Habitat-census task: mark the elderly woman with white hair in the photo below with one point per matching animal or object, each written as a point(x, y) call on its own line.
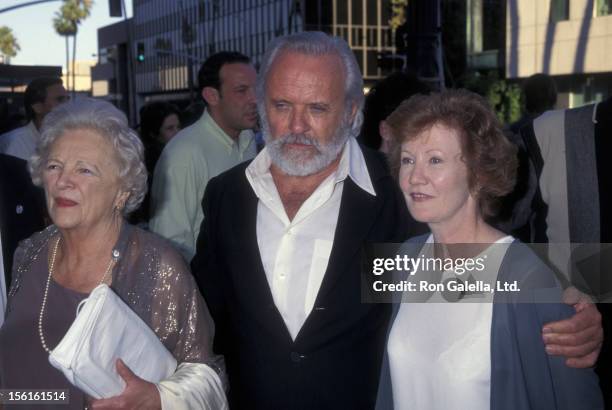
point(90, 164)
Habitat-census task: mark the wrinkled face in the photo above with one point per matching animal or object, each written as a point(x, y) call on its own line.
point(169, 128)
point(305, 125)
point(56, 95)
point(237, 104)
point(81, 181)
point(434, 178)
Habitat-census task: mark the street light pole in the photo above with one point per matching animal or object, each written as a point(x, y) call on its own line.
point(31, 3)
point(132, 109)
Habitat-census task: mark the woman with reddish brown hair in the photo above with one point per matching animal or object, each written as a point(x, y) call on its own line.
point(474, 341)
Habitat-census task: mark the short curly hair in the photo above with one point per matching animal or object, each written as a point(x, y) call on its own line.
point(491, 159)
point(105, 119)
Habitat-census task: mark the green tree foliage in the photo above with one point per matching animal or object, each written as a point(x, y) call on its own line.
point(8, 43)
point(398, 13)
point(63, 26)
point(504, 96)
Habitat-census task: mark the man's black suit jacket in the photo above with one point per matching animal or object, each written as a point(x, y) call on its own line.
point(21, 207)
point(335, 360)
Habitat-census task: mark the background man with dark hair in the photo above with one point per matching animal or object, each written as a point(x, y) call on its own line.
point(381, 100)
point(539, 95)
point(41, 96)
point(219, 140)
point(22, 210)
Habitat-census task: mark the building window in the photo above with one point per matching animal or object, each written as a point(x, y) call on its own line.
point(603, 7)
point(559, 10)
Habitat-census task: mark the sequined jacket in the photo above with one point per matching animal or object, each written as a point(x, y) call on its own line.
point(154, 280)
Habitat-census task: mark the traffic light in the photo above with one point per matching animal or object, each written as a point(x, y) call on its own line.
point(140, 52)
point(114, 8)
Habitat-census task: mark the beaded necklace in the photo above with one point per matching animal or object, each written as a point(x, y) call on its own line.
point(114, 257)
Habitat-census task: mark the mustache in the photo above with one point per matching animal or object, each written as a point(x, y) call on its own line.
point(297, 139)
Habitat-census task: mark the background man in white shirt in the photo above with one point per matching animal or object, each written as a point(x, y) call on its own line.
point(219, 140)
point(41, 96)
point(278, 256)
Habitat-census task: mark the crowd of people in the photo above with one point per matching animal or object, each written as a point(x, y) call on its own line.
point(246, 260)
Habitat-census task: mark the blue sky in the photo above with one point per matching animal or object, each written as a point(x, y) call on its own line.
point(40, 45)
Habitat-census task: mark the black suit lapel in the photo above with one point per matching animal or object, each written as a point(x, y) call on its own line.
point(357, 212)
point(250, 282)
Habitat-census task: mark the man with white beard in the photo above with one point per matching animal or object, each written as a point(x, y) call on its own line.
point(278, 255)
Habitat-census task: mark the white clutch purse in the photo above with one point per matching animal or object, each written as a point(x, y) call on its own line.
point(105, 330)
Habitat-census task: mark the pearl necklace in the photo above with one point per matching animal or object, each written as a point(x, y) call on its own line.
point(113, 260)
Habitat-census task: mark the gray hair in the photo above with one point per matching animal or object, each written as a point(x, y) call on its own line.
point(316, 43)
point(106, 120)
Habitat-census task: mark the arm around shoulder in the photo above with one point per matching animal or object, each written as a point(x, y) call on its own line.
point(523, 375)
point(574, 388)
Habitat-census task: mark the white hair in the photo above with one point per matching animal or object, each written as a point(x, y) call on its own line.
point(106, 120)
point(316, 43)
point(294, 163)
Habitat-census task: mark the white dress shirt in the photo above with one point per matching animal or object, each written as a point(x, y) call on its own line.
point(440, 353)
point(20, 142)
point(295, 253)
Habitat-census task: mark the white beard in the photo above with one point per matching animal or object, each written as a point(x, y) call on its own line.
point(302, 162)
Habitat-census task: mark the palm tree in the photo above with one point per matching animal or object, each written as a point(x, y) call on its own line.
point(8, 44)
point(65, 28)
point(67, 21)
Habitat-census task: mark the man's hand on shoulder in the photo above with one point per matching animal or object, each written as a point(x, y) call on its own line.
point(578, 338)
